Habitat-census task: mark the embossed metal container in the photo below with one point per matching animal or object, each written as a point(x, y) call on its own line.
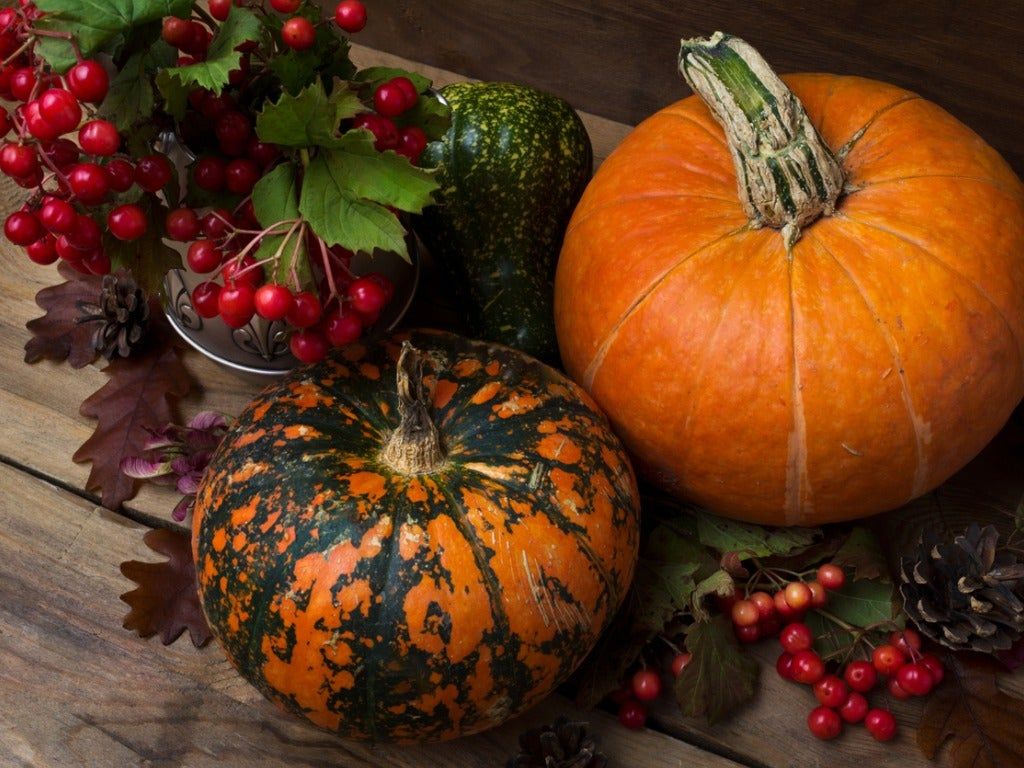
point(261, 347)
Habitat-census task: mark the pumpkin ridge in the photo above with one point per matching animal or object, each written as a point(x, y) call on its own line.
point(590, 374)
point(1016, 343)
point(851, 142)
point(1014, 193)
point(794, 506)
point(823, 109)
point(683, 116)
point(920, 474)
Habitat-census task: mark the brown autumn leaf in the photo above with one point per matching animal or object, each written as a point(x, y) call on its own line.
point(56, 335)
point(980, 722)
point(166, 602)
point(136, 397)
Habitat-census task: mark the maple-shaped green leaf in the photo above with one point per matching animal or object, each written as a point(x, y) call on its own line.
point(720, 677)
point(860, 603)
point(131, 98)
point(749, 540)
point(275, 198)
point(665, 577)
point(326, 60)
point(310, 118)
point(95, 23)
point(241, 26)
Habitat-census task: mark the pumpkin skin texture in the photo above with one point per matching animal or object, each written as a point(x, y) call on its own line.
point(841, 378)
point(395, 607)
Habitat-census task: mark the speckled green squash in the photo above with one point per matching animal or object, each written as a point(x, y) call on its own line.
point(511, 168)
point(390, 592)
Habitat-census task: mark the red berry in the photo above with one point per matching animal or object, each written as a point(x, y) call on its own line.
point(22, 228)
point(89, 183)
point(68, 250)
point(680, 662)
point(819, 598)
point(236, 304)
point(43, 250)
point(306, 310)
point(343, 327)
point(350, 15)
point(896, 691)
point(196, 42)
point(212, 106)
point(831, 576)
point(880, 724)
point(934, 665)
point(783, 608)
point(915, 679)
point(408, 89)
point(285, 6)
point(854, 708)
point(385, 134)
point(769, 627)
point(824, 723)
point(37, 124)
point(796, 637)
point(216, 223)
point(232, 128)
point(908, 641)
point(830, 691)
point(58, 216)
point(368, 297)
point(887, 659)
point(748, 634)
point(99, 137)
point(273, 301)
point(127, 222)
point(153, 172)
point(744, 612)
point(210, 173)
point(632, 714)
point(97, 262)
point(18, 160)
point(244, 270)
point(120, 175)
point(646, 685)
point(88, 81)
point(176, 32)
point(389, 99)
point(411, 143)
point(205, 299)
point(219, 9)
point(203, 256)
point(798, 595)
point(5, 122)
point(182, 224)
point(308, 346)
point(87, 234)
point(808, 668)
point(241, 176)
point(60, 109)
point(377, 277)
point(260, 152)
point(298, 33)
point(860, 676)
point(765, 605)
point(784, 665)
point(23, 82)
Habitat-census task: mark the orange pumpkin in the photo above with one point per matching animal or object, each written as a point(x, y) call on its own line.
point(829, 337)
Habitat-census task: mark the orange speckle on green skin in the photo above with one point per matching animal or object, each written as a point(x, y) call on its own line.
point(443, 392)
point(249, 438)
point(287, 538)
point(415, 491)
point(238, 542)
point(220, 540)
point(559, 448)
point(245, 514)
point(466, 368)
point(370, 371)
point(297, 431)
point(493, 368)
point(486, 392)
point(369, 484)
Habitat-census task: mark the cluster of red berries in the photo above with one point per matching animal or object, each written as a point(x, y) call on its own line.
point(645, 686)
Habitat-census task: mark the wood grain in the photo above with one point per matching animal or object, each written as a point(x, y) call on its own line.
point(76, 689)
point(618, 59)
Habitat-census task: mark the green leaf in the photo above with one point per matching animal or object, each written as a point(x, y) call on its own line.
point(130, 98)
point(148, 258)
point(665, 578)
point(276, 198)
point(174, 92)
point(241, 26)
point(860, 603)
point(725, 535)
point(95, 23)
point(718, 583)
point(720, 678)
point(309, 119)
point(862, 555)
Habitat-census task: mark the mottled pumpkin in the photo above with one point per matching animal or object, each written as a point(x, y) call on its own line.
point(798, 300)
point(415, 551)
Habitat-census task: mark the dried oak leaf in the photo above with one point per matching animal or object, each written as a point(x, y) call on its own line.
point(166, 602)
point(56, 335)
point(980, 722)
point(136, 397)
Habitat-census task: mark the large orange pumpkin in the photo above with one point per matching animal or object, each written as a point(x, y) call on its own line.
point(830, 338)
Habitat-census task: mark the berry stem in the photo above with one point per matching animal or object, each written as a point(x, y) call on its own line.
point(327, 269)
point(65, 36)
point(24, 46)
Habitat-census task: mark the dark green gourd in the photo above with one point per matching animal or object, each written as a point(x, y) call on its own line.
point(511, 169)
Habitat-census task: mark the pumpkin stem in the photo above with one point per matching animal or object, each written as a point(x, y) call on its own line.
point(787, 175)
point(415, 447)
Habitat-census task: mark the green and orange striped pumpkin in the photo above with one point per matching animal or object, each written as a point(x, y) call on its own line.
point(415, 564)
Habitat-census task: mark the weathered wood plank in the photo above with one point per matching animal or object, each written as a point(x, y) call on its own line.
point(76, 689)
point(618, 59)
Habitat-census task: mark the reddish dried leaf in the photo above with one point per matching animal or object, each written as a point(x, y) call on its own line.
point(980, 722)
point(136, 397)
point(166, 602)
point(56, 335)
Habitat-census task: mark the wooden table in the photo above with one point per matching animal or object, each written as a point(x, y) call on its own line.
point(76, 689)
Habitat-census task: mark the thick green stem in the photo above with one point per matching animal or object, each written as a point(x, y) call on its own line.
point(787, 175)
point(415, 447)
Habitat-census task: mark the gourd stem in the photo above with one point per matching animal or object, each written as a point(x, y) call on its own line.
point(415, 447)
point(787, 175)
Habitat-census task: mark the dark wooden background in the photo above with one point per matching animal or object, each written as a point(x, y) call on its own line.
point(616, 58)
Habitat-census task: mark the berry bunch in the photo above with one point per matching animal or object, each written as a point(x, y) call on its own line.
point(645, 686)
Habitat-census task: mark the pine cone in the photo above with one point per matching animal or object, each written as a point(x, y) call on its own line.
point(966, 594)
point(121, 315)
point(562, 745)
